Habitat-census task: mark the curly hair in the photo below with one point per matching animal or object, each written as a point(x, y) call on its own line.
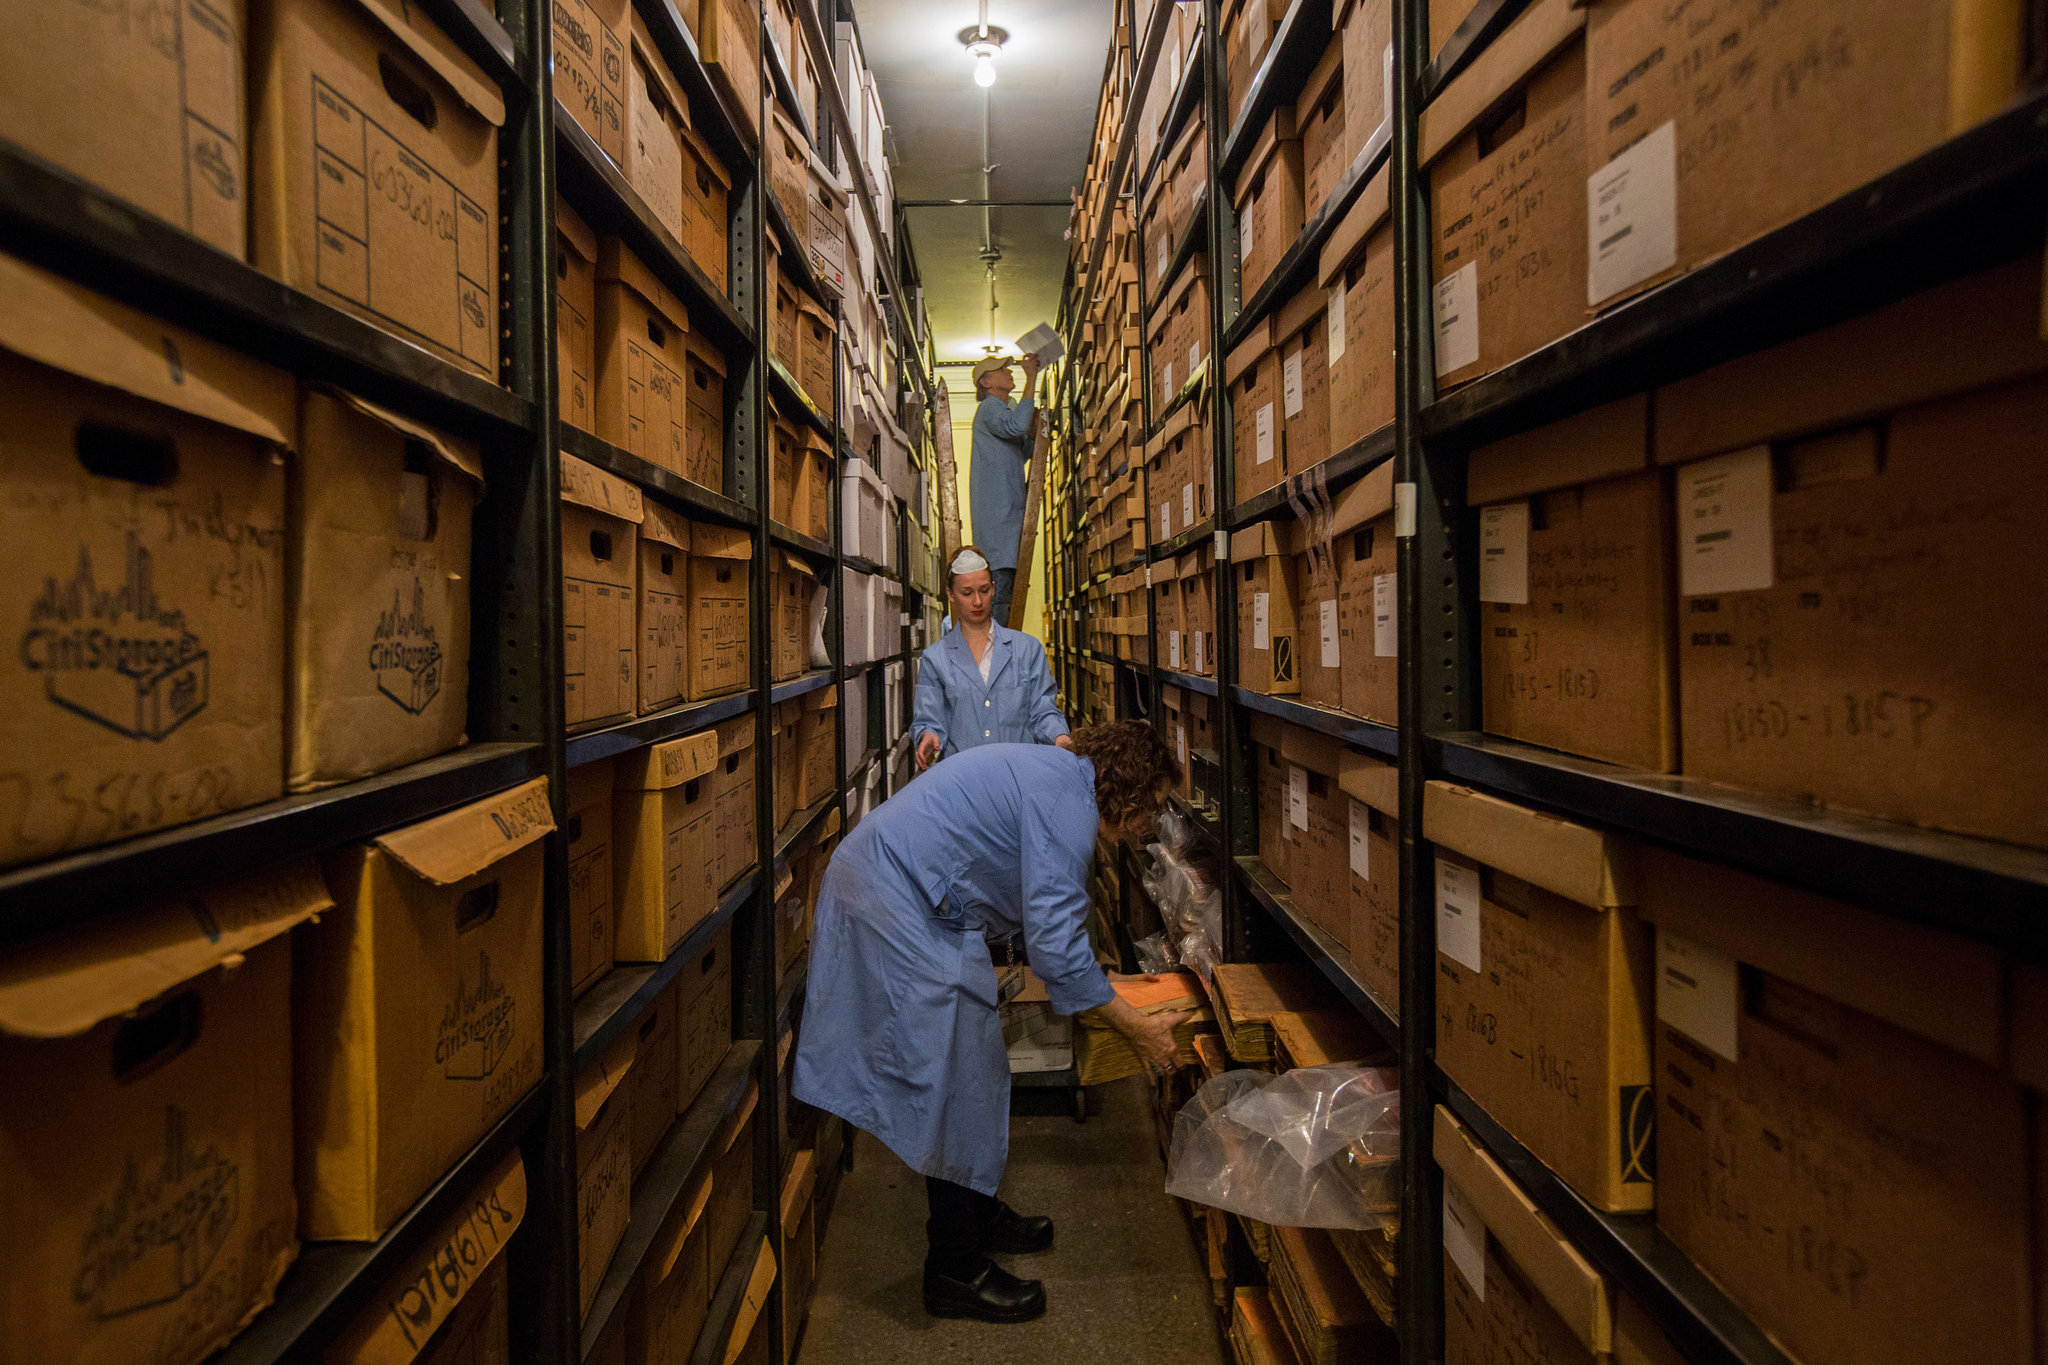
point(1133, 769)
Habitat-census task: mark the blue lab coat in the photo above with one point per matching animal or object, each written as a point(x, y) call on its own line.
point(900, 1035)
point(1017, 705)
point(995, 482)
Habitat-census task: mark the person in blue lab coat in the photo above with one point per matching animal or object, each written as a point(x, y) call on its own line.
point(995, 480)
point(982, 683)
point(900, 1035)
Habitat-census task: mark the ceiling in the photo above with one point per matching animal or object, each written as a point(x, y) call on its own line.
point(1041, 115)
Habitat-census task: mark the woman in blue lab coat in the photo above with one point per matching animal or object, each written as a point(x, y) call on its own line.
point(982, 683)
point(900, 1035)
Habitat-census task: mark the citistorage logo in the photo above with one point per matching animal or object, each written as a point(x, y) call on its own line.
point(152, 1240)
point(114, 653)
point(476, 1026)
point(405, 652)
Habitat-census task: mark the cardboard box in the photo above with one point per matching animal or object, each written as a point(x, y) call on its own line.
point(1509, 260)
point(732, 791)
point(1576, 588)
point(1808, 1053)
point(817, 357)
point(1167, 628)
point(783, 745)
point(1248, 27)
point(673, 1295)
point(1187, 435)
point(575, 314)
point(793, 586)
point(799, 1243)
point(374, 171)
point(1162, 480)
point(817, 746)
point(704, 414)
point(592, 39)
point(1372, 843)
point(1841, 648)
point(1323, 1312)
point(604, 1163)
point(654, 1077)
point(165, 130)
point(1513, 1284)
point(1690, 158)
point(149, 1086)
point(642, 361)
point(814, 486)
point(416, 1009)
point(1256, 425)
point(732, 1183)
point(664, 815)
point(703, 1018)
point(1319, 119)
point(1318, 831)
point(663, 607)
point(1368, 596)
point(1179, 330)
point(1368, 29)
point(1301, 333)
point(111, 453)
point(728, 34)
point(827, 227)
point(1357, 268)
point(447, 1303)
point(785, 458)
point(1543, 987)
point(707, 211)
point(789, 165)
point(1186, 170)
point(1173, 710)
point(1445, 17)
point(1266, 635)
point(720, 624)
point(589, 836)
point(1270, 778)
point(1269, 201)
point(378, 590)
point(1196, 572)
point(601, 517)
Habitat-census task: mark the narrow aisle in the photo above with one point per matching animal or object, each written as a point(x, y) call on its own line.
point(1123, 1282)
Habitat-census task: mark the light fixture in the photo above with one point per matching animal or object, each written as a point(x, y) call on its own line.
point(983, 42)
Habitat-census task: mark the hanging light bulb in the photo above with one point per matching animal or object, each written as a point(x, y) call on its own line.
point(983, 42)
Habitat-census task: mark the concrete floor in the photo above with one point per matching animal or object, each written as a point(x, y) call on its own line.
point(1124, 1281)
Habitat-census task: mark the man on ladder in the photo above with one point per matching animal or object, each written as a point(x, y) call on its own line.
point(1002, 455)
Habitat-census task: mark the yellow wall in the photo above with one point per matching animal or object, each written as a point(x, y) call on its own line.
point(960, 388)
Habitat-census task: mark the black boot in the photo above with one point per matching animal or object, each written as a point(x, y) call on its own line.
point(993, 1294)
point(1009, 1233)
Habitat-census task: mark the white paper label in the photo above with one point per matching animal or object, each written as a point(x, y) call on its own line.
point(1697, 991)
point(1194, 356)
point(1457, 320)
point(1262, 607)
point(1166, 521)
point(1187, 506)
point(1724, 523)
point(1632, 216)
point(1290, 384)
point(1165, 255)
point(1297, 796)
point(1457, 912)
point(1169, 382)
point(1504, 553)
point(1328, 609)
point(1265, 443)
point(1335, 311)
point(1404, 510)
point(1173, 648)
point(1387, 85)
point(1386, 622)
point(1247, 230)
point(1181, 741)
point(1465, 1238)
point(1201, 651)
point(1361, 840)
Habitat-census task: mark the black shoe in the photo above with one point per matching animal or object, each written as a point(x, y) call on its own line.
point(1010, 1233)
point(992, 1295)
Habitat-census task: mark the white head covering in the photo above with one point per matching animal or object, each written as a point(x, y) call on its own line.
point(967, 561)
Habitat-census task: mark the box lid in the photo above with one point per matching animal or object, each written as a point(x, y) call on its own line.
point(663, 523)
point(616, 262)
point(1373, 207)
point(1260, 540)
point(1526, 44)
point(709, 540)
point(571, 228)
point(460, 455)
point(61, 986)
point(429, 42)
point(1365, 500)
point(1303, 309)
point(649, 56)
point(1372, 781)
point(1549, 1262)
point(1280, 127)
point(1598, 443)
point(735, 736)
point(1577, 862)
point(1313, 750)
point(700, 348)
point(56, 323)
point(1248, 352)
point(597, 1079)
point(464, 841)
point(586, 485)
point(675, 1233)
point(796, 564)
point(1328, 68)
point(797, 1188)
point(806, 304)
point(669, 763)
point(1192, 563)
point(820, 699)
point(698, 147)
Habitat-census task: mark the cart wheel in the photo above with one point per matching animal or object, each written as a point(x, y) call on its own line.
point(1080, 1105)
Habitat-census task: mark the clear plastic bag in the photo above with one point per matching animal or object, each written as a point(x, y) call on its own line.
point(1155, 953)
point(1314, 1148)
